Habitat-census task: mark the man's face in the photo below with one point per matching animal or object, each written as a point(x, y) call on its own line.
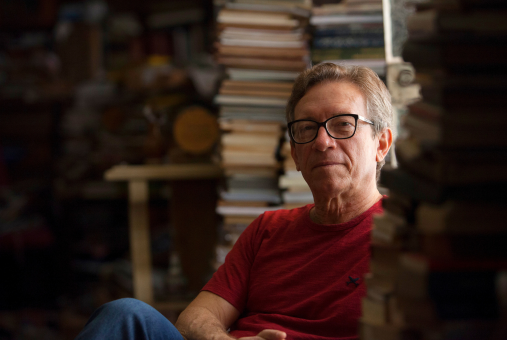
point(335, 166)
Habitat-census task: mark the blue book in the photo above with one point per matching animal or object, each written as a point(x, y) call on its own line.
point(347, 42)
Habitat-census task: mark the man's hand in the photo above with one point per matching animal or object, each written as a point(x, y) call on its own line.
point(267, 334)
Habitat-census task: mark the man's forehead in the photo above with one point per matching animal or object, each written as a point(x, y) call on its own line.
point(331, 98)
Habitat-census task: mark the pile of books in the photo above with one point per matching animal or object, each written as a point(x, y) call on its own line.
point(350, 32)
point(296, 192)
point(439, 260)
point(263, 46)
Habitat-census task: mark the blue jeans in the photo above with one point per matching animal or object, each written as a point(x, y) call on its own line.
point(128, 319)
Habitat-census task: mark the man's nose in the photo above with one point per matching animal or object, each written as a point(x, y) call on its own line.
point(323, 140)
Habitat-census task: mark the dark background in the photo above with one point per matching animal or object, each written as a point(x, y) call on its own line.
point(75, 77)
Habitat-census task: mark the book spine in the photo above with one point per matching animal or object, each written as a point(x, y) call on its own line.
point(348, 31)
point(348, 42)
point(348, 53)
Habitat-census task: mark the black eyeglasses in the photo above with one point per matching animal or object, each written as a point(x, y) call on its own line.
point(338, 127)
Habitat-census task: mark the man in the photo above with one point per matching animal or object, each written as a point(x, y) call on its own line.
point(294, 274)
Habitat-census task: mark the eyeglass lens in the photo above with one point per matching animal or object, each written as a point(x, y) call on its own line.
point(338, 127)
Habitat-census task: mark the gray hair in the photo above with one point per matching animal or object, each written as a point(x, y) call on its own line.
point(378, 98)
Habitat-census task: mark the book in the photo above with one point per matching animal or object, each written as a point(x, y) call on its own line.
point(267, 75)
point(286, 182)
point(374, 312)
point(370, 331)
point(254, 18)
point(380, 287)
point(263, 42)
point(468, 218)
point(483, 246)
point(242, 125)
point(348, 42)
point(454, 133)
point(250, 158)
point(418, 188)
point(249, 100)
point(231, 211)
point(348, 53)
point(262, 63)
point(462, 4)
point(255, 92)
point(462, 91)
point(304, 197)
point(347, 8)
point(270, 6)
point(250, 139)
point(271, 52)
point(345, 19)
point(464, 55)
point(433, 21)
point(452, 167)
point(389, 229)
point(268, 85)
point(348, 30)
point(384, 260)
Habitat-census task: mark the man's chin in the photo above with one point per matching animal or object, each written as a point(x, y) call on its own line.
point(328, 187)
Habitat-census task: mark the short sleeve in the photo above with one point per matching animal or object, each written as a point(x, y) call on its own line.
point(231, 280)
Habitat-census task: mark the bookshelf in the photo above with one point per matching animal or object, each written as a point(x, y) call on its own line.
point(438, 251)
point(263, 46)
point(193, 184)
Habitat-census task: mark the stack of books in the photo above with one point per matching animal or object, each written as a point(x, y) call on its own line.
point(296, 192)
point(349, 32)
point(263, 46)
point(439, 260)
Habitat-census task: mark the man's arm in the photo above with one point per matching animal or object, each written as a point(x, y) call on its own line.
point(207, 317)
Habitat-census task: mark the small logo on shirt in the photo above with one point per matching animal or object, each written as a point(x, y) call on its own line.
point(353, 280)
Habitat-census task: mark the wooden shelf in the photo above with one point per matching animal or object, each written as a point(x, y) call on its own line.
point(164, 171)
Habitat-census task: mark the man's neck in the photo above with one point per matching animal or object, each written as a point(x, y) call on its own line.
point(342, 208)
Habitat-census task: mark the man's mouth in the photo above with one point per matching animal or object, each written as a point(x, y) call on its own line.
point(325, 164)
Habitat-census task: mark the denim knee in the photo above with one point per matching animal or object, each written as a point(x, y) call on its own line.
point(128, 319)
point(128, 307)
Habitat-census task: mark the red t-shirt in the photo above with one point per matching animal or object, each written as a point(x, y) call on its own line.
point(288, 273)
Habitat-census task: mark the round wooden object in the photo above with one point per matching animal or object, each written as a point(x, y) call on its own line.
point(196, 130)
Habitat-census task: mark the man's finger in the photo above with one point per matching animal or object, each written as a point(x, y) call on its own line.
point(267, 334)
point(272, 334)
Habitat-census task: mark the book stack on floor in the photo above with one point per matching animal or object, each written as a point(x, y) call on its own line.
point(439, 260)
point(263, 46)
point(296, 192)
point(350, 32)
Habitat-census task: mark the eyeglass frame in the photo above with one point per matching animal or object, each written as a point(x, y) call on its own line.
point(324, 124)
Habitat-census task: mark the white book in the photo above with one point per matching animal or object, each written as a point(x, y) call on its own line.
point(255, 31)
point(286, 182)
point(250, 18)
point(271, 196)
point(297, 197)
point(222, 99)
point(244, 211)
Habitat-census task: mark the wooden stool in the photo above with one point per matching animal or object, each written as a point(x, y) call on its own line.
point(193, 216)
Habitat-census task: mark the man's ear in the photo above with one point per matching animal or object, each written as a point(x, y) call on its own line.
point(385, 140)
point(294, 155)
